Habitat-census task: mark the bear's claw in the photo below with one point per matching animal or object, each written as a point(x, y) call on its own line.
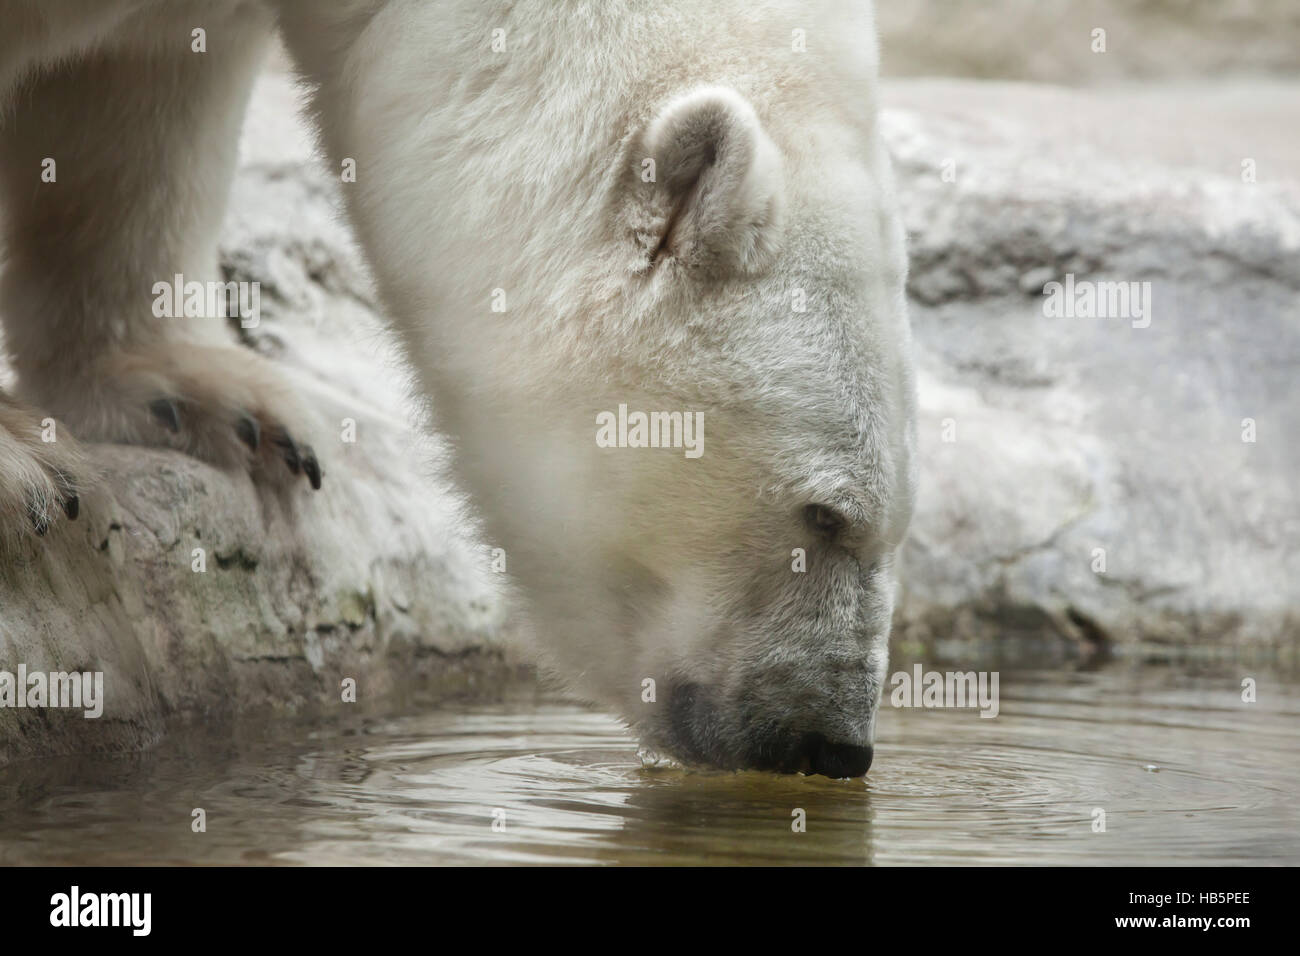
point(300, 459)
point(164, 409)
point(249, 432)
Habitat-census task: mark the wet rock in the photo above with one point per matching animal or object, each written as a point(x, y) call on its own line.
point(1054, 447)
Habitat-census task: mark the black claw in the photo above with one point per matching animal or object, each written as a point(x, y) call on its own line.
point(311, 466)
point(68, 488)
point(164, 409)
point(289, 451)
point(249, 432)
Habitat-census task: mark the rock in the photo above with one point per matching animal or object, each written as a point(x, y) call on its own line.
point(1055, 41)
point(1075, 441)
point(374, 578)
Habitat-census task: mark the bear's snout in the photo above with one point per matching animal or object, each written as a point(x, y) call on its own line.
point(837, 760)
point(700, 733)
point(810, 753)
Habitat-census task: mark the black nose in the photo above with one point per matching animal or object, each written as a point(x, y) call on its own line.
point(836, 760)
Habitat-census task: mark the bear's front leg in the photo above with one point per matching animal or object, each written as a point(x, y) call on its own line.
point(114, 172)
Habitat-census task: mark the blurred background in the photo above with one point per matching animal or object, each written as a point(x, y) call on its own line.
point(1049, 41)
point(1088, 484)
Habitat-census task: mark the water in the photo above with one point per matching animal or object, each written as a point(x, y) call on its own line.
point(1184, 770)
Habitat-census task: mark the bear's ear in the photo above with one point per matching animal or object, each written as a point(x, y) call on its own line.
point(716, 188)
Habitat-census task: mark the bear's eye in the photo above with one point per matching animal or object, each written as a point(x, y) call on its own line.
point(824, 520)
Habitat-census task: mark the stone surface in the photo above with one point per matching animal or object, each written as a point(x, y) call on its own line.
point(1073, 434)
point(1053, 40)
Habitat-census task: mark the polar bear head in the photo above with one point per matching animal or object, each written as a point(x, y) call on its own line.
point(702, 504)
point(687, 416)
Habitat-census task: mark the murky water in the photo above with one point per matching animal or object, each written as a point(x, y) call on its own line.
point(1184, 770)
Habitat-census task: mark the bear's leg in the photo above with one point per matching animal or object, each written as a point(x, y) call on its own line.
point(114, 173)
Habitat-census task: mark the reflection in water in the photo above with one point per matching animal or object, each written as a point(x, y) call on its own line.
point(1184, 771)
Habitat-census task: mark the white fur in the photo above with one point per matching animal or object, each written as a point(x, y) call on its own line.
point(522, 170)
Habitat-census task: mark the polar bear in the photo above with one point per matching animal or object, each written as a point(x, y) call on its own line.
point(668, 211)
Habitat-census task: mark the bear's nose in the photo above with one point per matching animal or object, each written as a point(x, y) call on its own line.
point(836, 760)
